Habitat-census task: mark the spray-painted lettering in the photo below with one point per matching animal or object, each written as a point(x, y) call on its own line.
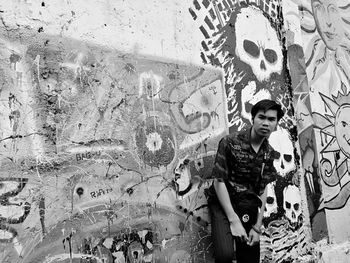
point(99, 192)
point(87, 155)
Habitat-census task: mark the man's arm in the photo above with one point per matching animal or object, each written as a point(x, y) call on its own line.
point(254, 233)
point(263, 198)
point(224, 198)
point(220, 173)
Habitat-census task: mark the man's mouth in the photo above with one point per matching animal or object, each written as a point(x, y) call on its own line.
point(264, 130)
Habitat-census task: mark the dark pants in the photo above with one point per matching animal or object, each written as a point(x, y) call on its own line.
point(223, 241)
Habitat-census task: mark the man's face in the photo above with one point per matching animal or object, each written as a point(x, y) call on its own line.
point(265, 122)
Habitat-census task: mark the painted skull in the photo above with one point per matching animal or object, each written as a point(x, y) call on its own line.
point(271, 201)
point(292, 204)
point(258, 45)
point(281, 142)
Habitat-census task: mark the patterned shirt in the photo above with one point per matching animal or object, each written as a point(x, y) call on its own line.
point(237, 162)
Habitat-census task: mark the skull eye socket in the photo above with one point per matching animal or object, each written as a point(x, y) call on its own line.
point(296, 207)
point(288, 205)
point(287, 157)
point(248, 106)
point(251, 48)
point(270, 55)
point(270, 200)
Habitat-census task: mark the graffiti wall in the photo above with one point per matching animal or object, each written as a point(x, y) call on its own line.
point(105, 154)
point(245, 39)
point(325, 31)
point(128, 142)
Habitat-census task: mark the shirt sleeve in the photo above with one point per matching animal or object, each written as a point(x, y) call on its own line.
point(220, 169)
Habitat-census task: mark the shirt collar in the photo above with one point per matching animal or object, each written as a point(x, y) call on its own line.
point(245, 135)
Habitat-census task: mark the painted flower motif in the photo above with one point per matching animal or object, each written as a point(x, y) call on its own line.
point(154, 141)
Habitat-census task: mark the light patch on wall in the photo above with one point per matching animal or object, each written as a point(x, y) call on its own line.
point(150, 85)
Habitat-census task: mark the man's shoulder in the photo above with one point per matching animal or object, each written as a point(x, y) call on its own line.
point(273, 153)
point(229, 138)
point(236, 139)
point(242, 135)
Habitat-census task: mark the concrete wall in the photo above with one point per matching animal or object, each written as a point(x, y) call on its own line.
point(111, 112)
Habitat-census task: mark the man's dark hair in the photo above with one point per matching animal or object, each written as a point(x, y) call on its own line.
point(266, 105)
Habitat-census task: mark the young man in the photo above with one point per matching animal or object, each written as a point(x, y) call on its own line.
point(243, 163)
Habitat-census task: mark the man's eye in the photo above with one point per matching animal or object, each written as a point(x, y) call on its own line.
point(344, 123)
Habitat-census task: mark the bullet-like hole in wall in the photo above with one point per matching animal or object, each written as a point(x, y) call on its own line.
point(80, 191)
point(42, 3)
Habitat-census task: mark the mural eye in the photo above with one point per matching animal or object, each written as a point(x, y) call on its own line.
point(296, 207)
point(251, 48)
point(270, 200)
point(344, 123)
point(319, 7)
point(287, 157)
point(248, 106)
point(288, 205)
point(270, 55)
point(333, 9)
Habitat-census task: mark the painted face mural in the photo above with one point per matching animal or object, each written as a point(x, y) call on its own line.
point(328, 22)
point(335, 139)
point(342, 128)
point(326, 52)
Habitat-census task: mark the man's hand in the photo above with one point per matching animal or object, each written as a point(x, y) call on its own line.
point(238, 230)
point(253, 238)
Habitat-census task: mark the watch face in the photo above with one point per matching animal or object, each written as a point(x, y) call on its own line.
point(245, 218)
